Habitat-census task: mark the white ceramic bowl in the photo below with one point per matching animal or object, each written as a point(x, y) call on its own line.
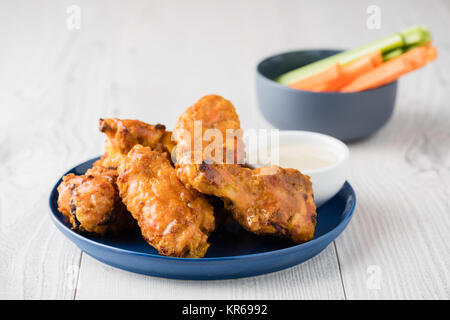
point(328, 180)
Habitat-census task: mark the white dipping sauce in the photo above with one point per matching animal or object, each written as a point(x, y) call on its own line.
point(305, 156)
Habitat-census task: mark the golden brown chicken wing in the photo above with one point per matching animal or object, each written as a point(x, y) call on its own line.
point(91, 202)
point(209, 131)
point(277, 201)
point(280, 203)
point(173, 219)
point(122, 135)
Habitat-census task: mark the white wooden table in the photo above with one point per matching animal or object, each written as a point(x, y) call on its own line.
point(151, 59)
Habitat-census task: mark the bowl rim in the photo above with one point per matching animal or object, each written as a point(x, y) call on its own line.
point(348, 211)
point(289, 89)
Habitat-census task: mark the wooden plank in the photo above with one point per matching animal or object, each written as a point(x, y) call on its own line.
point(47, 126)
point(317, 278)
point(36, 260)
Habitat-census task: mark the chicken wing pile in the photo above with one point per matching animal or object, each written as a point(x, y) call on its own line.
point(168, 182)
point(280, 203)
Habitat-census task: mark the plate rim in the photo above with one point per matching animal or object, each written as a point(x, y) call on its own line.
point(348, 210)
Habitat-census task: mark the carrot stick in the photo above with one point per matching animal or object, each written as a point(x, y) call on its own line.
point(385, 73)
point(327, 75)
point(392, 69)
point(335, 77)
point(355, 69)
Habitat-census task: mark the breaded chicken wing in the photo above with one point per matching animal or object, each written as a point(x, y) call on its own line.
point(173, 219)
point(91, 202)
point(211, 118)
point(122, 135)
point(280, 203)
point(277, 201)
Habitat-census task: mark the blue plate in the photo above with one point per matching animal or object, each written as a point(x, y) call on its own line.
point(234, 252)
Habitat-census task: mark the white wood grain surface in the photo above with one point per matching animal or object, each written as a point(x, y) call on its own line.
point(151, 59)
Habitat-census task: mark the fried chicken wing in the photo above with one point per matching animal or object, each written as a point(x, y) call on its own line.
point(122, 135)
point(277, 201)
point(91, 202)
point(280, 203)
point(173, 219)
point(213, 117)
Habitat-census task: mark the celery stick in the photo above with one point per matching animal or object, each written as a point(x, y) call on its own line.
point(412, 35)
point(412, 38)
point(393, 54)
point(415, 36)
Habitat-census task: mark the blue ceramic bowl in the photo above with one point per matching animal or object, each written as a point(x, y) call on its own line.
point(234, 252)
point(346, 116)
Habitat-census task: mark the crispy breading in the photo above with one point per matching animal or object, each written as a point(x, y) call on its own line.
point(211, 114)
point(173, 219)
point(91, 202)
point(124, 134)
